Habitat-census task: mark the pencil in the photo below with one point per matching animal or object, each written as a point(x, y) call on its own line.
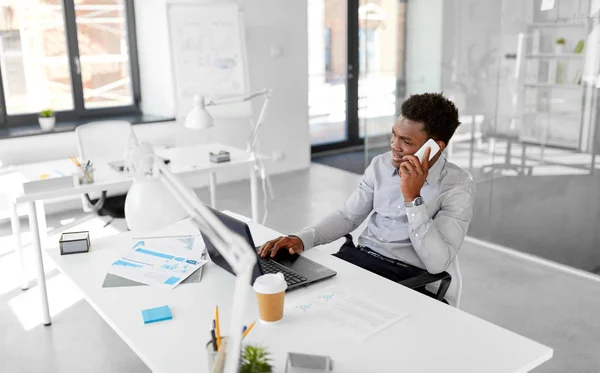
point(75, 161)
point(218, 329)
point(248, 330)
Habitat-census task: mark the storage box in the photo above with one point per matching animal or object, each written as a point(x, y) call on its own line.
point(74, 243)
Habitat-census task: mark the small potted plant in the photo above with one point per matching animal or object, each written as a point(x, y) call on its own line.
point(560, 45)
point(47, 120)
point(255, 360)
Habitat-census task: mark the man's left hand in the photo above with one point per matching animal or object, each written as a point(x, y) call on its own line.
point(413, 175)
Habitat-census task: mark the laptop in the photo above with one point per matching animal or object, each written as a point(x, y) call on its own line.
point(297, 270)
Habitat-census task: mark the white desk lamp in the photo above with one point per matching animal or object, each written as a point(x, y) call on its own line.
point(200, 118)
point(177, 201)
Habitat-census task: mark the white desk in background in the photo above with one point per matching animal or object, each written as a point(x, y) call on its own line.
point(433, 337)
point(185, 161)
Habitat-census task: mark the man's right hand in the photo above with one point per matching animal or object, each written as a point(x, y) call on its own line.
point(291, 243)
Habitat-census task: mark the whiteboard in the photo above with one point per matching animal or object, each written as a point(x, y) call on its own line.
point(208, 55)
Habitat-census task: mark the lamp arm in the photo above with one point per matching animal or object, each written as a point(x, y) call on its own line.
point(235, 250)
point(260, 120)
point(231, 99)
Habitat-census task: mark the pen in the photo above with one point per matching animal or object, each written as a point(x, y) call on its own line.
point(248, 330)
point(213, 338)
point(218, 327)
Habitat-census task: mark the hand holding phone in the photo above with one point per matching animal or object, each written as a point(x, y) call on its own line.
point(435, 148)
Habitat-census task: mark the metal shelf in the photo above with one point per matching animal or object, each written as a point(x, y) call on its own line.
point(557, 56)
point(553, 85)
point(556, 24)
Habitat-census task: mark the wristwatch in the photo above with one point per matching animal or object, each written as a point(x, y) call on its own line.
point(417, 202)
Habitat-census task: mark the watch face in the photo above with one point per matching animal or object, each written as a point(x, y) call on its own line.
point(419, 201)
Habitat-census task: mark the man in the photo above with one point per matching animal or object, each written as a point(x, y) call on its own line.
point(421, 211)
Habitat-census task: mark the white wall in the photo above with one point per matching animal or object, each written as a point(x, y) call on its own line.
point(424, 46)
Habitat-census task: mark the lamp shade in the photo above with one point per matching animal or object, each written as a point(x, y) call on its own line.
point(198, 118)
point(149, 205)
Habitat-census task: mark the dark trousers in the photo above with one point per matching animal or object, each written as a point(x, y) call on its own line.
point(392, 271)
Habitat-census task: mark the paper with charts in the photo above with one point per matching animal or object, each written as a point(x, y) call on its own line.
point(160, 260)
point(354, 315)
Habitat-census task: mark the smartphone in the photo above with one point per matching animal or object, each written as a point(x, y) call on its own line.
point(435, 148)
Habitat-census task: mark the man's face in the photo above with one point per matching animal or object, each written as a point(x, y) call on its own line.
point(407, 137)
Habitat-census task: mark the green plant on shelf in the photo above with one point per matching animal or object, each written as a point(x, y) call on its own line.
point(47, 113)
point(561, 41)
point(255, 360)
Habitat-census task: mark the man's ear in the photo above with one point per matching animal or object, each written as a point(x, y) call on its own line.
point(442, 145)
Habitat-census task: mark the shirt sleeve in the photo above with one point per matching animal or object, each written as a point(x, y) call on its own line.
point(437, 240)
point(356, 209)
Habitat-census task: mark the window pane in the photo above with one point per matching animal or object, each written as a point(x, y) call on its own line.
point(381, 51)
point(327, 79)
point(33, 56)
point(105, 68)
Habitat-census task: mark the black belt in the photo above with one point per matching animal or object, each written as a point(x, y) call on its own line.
point(375, 254)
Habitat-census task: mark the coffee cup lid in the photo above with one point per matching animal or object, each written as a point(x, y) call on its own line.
point(270, 283)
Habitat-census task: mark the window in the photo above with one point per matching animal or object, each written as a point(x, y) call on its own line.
point(76, 57)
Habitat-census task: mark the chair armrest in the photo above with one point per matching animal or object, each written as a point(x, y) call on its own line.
point(427, 278)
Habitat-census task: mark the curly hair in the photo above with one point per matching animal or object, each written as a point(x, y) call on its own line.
point(438, 114)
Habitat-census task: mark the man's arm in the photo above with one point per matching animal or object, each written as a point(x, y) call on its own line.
point(356, 209)
point(437, 240)
point(349, 217)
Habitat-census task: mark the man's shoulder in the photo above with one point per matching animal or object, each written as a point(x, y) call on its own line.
point(383, 160)
point(455, 176)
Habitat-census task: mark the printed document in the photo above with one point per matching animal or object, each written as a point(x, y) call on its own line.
point(336, 311)
point(160, 260)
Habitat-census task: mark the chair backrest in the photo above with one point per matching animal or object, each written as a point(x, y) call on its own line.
point(455, 290)
point(107, 140)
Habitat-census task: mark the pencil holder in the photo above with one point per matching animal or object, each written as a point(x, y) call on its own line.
point(86, 177)
point(216, 363)
point(212, 354)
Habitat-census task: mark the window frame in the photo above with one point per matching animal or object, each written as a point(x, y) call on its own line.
point(79, 112)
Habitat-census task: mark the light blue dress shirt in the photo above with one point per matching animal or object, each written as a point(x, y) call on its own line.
point(427, 236)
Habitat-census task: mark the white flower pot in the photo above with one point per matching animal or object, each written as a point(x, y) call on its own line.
point(47, 124)
point(559, 48)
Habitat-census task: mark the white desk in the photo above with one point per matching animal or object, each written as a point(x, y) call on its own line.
point(433, 338)
point(184, 161)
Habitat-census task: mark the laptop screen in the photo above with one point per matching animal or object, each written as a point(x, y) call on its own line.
point(238, 227)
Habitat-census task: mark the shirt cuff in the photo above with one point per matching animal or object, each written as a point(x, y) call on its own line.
point(417, 215)
point(307, 236)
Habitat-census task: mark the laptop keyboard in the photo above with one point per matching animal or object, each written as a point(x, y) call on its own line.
point(292, 278)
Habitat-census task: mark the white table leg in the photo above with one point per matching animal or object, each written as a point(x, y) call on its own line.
point(16, 230)
point(37, 252)
point(254, 194)
point(213, 189)
point(41, 215)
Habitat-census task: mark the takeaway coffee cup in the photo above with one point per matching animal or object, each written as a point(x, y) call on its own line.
point(270, 291)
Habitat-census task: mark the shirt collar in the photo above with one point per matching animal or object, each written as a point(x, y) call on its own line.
point(435, 171)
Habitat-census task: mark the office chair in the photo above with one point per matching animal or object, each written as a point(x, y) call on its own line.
point(445, 287)
point(441, 286)
point(109, 141)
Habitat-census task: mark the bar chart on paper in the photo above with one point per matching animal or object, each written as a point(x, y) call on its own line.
point(160, 260)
